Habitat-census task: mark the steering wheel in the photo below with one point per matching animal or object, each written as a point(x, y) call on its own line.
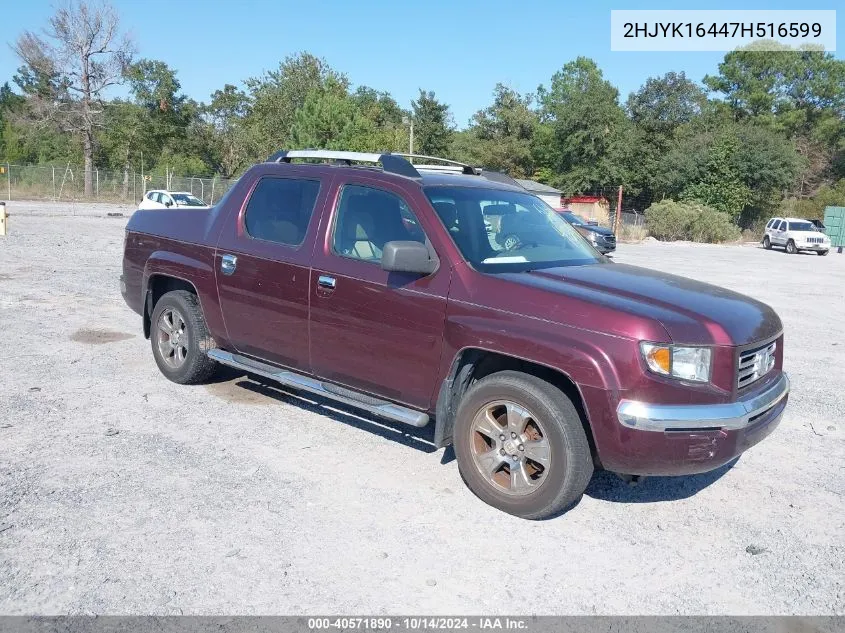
point(512, 243)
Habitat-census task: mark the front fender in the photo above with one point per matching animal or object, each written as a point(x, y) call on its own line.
point(582, 355)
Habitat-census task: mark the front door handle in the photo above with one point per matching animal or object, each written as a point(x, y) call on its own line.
point(228, 264)
point(324, 281)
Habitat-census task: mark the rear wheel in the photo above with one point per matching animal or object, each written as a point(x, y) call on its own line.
point(180, 338)
point(520, 445)
point(767, 244)
point(790, 247)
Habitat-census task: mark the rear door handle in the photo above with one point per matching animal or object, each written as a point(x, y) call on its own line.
point(324, 281)
point(228, 264)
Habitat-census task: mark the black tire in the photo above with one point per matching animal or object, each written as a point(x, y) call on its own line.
point(821, 253)
point(570, 464)
point(196, 366)
point(767, 244)
point(790, 248)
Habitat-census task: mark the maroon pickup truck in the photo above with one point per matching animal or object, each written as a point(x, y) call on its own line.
point(446, 293)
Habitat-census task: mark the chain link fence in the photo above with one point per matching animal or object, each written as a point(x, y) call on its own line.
point(40, 182)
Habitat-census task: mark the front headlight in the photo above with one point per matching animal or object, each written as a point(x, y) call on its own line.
point(686, 363)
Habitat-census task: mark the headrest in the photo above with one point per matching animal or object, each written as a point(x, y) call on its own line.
point(448, 212)
point(358, 221)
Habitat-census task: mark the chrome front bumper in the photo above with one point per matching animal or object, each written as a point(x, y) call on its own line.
point(731, 416)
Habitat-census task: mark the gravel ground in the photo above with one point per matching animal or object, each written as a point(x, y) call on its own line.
point(121, 492)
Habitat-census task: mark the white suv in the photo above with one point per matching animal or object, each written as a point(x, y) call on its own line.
point(795, 234)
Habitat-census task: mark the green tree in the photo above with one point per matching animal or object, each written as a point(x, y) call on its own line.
point(500, 136)
point(664, 103)
point(332, 119)
point(227, 144)
point(156, 89)
point(802, 93)
point(589, 136)
point(806, 84)
point(754, 163)
point(277, 95)
point(721, 186)
point(122, 138)
point(9, 104)
point(433, 128)
point(378, 107)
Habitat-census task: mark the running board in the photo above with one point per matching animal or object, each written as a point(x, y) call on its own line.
point(382, 408)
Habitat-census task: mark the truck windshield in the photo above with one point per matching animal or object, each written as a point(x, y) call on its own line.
point(500, 230)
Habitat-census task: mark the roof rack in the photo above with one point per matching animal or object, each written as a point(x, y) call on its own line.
point(391, 163)
point(469, 170)
point(394, 163)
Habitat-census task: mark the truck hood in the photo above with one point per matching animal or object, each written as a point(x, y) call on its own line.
point(691, 311)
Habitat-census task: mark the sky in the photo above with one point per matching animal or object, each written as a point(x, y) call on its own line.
point(458, 49)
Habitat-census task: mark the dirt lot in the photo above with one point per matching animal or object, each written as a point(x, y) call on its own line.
point(121, 492)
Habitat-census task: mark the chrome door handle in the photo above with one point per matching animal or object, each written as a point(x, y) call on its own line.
point(228, 264)
point(324, 281)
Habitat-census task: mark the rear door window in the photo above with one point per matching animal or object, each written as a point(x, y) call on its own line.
point(280, 209)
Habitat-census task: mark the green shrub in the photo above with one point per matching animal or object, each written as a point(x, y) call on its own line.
point(669, 220)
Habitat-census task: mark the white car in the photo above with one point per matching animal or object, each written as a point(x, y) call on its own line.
point(160, 199)
point(794, 235)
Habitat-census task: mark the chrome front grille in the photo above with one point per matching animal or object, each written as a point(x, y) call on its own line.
point(755, 363)
point(815, 240)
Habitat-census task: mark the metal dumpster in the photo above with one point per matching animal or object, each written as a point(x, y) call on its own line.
point(834, 222)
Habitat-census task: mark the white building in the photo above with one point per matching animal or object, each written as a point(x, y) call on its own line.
point(549, 195)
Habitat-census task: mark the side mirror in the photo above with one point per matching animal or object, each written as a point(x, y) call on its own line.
point(407, 257)
point(168, 204)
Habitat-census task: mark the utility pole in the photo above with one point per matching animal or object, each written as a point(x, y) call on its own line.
point(618, 213)
point(410, 122)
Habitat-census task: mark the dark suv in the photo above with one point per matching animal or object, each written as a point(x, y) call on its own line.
point(394, 288)
point(602, 238)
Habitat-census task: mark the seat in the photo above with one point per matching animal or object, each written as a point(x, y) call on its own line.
point(274, 217)
point(389, 224)
point(357, 230)
point(448, 212)
point(510, 222)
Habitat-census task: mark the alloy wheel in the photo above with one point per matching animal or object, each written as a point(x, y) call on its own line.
point(172, 338)
point(510, 448)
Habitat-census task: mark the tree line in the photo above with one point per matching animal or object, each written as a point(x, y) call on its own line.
point(765, 133)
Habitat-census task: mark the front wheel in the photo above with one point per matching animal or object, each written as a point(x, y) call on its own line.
point(790, 247)
point(821, 253)
point(767, 244)
point(521, 446)
point(180, 339)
